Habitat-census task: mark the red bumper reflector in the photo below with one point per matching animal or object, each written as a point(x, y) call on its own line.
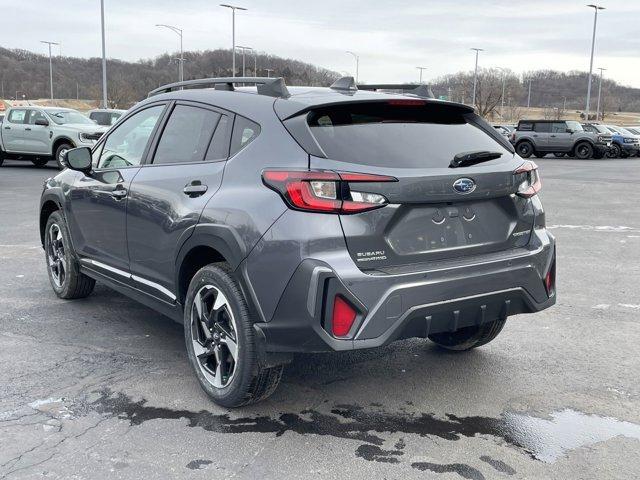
point(550, 279)
point(343, 317)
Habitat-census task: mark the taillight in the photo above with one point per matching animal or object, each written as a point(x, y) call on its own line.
point(343, 317)
point(325, 191)
point(530, 184)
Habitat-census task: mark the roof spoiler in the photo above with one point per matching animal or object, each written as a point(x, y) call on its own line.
point(272, 87)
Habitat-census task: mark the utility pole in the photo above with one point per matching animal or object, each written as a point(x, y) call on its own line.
point(599, 93)
point(269, 70)
point(105, 103)
point(529, 97)
point(177, 31)
point(475, 76)
point(77, 91)
point(357, 63)
point(421, 69)
point(593, 44)
point(50, 66)
point(233, 34)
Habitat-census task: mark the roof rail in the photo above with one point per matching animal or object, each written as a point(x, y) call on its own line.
point(411, 89)
point(273, 87)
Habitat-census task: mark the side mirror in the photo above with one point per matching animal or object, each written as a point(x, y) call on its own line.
point(570, 130)
point(78, 159)
point(43, 122)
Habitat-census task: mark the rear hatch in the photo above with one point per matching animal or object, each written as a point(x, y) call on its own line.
point(434, 212)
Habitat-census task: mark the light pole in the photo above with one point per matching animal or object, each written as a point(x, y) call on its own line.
point(104, 59)
point(593, 44)
point(357, 63)
point(50, 66)
point(599, 93)
point(529, 96)
point(233, 34)
point(475, 75)
point(244, 49)
point(177, 31)
point(421, 69)
point(504, 78)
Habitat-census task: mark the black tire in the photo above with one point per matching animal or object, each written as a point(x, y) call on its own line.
point(242, 380)
point(467, 338)
point(525, 149)
point(598, 155)
point(558, 154)
point(59, 151)
point(40, 162)
point(615, 151)
point(72, 284)
point(583, 151)
point(1, 157)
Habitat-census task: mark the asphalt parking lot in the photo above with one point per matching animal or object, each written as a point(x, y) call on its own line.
point(101, 387)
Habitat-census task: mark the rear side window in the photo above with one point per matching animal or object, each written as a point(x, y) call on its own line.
point(385, 134)
point(543, 127)
point(187, 135)
point(525, 126)
point(244, 132)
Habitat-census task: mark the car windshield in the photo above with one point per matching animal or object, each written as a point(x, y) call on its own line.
point(624, 131)
point(613, 129)
point(63, 117)
point(635, 131)
point(600, 129)
point(575, 126)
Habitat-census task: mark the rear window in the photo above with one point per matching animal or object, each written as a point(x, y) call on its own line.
point(404, 136)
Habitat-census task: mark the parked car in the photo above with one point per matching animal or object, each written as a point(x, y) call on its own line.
point(300, 219)
point(539, 137)
point(105, 116)
point(40, 134)
point(503, 130)
point(624, 144)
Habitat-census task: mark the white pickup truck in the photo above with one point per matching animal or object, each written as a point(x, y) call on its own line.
point(40, 134)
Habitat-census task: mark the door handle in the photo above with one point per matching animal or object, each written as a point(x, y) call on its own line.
point(7, 128)
point(27, 129)
point(119, 193)
point(535, 135)
point(553, 136)
point(195, 189)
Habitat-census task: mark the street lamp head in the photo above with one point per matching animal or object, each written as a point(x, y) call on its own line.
point(597, 7)
point(226, 5)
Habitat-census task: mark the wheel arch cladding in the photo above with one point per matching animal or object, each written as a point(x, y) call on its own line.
point(59, 141)
point(48, 207)
point(208, 244)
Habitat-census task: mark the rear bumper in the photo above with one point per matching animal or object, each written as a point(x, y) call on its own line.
point(438, 298)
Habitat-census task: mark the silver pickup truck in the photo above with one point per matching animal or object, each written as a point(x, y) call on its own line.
point(41, 134)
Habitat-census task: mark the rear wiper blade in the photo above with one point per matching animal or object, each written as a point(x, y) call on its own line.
point(465, 159)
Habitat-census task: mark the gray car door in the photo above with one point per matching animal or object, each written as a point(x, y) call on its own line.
point(169, 193)
point(98, 200)
point(559, 139)
point(37, 137)
point(13, 130)
point(541, 133)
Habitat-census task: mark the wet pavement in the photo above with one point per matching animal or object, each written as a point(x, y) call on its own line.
point(100, 388)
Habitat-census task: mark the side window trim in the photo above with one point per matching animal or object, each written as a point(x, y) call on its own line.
point(104, 138)
point(148, 161)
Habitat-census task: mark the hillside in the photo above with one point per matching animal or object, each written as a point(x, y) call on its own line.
point(27, 73)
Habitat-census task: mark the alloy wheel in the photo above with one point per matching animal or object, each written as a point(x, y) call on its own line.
point(214, 336)
point(56, 255)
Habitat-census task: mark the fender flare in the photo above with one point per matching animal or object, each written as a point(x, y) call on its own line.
point(57, 139)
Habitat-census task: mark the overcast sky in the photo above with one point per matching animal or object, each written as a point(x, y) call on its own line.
point(391, 37)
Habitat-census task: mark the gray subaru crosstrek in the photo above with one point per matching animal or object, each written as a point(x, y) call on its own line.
point(274, 220)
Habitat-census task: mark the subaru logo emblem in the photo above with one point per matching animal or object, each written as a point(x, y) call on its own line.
point(464, 185)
